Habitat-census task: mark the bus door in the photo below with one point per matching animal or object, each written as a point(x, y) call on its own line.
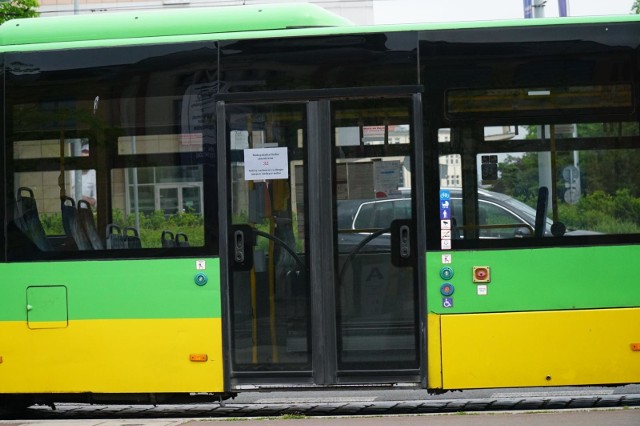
point(321, 235)
point(375, 238)
point(268, 267)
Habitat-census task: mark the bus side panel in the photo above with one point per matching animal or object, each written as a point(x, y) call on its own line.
point(434, 352)
point(552, 348)
point(120, 326)
point(540, 279)
point(113, 356)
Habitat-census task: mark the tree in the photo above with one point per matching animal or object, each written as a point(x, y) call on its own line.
point(636, 7)
point(14, 9)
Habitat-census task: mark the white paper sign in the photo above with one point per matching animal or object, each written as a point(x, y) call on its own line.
point(266, 163)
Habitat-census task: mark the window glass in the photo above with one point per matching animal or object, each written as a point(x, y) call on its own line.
point(52, 148)
point(515, 100)
point(364, 216)
point(450, 171)
point(170, 198)
point(110, 150)
point(392, 134)
point(373, 171)
point(580, 179)
point(379, 214)
point(499, 222)
point(155, 144)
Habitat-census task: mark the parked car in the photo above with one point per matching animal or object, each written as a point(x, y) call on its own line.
point(499, 216)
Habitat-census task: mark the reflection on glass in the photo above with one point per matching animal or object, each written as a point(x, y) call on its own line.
point(169, 200)
point(594, 168)
point(270, 297)
point(376, 302)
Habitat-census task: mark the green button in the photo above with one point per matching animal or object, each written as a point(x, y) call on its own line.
point(200, 279)
point(446, 273)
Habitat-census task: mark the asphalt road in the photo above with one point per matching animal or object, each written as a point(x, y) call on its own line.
point(352, 402)
point(583, 417)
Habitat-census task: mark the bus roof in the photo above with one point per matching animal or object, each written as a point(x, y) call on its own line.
point(222, 23)
point(158, 23)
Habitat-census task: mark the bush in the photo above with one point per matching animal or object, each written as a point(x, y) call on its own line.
point(52, 224)
point(617, 213)
point(152, 225)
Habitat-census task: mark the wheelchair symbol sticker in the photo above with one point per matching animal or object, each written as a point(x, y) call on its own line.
point(447, 302)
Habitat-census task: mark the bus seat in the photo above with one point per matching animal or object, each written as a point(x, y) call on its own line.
point(182, 240)
point(71, 225)
point(114, 238)
point(167, 239)
point(131, 238)
point(28, 220)
point(85, 218)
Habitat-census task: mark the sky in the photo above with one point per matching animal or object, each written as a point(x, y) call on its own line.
point(406, 11)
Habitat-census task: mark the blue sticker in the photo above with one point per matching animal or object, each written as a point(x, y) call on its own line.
point(445, 194)
point(445, 214)
point(447, 302)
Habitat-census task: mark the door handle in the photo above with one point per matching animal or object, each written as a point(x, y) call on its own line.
point(405, 242)
point(241, 242)
point(401, 243)
point(238, 243)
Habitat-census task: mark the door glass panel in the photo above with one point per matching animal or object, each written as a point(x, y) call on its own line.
point(269, 283)
point(375, 296)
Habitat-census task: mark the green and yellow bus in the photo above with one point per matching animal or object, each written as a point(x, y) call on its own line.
point(205, 201)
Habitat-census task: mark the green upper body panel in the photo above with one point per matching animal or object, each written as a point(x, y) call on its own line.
point(178, 22)
point(114, 289)
point(537, 279)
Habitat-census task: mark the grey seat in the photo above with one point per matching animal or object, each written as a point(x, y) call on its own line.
point(85, 218)
point(167, 239)
point(71, 224)
point(132, 238)
point(27, 218)
point(182, 240)
point(114, 238)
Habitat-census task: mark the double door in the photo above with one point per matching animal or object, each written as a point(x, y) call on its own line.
point(322, 234)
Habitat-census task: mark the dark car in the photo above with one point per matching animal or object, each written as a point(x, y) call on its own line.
point(499, 216)
point(494, 209)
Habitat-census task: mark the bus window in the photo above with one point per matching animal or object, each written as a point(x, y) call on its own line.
point(154, 199)
point(590, 170)
point(104, 158)
point(513, 101)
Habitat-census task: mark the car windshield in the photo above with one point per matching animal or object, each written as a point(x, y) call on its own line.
point(380, 213)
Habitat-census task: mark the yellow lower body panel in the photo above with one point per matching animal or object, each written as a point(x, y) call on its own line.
point(113, 356)
point(553, 348)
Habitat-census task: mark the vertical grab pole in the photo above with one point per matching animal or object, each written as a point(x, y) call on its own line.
point(61, 179)
point(554, 173)
point(254, 297)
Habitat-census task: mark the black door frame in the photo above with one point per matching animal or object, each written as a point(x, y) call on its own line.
point(321, 247)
